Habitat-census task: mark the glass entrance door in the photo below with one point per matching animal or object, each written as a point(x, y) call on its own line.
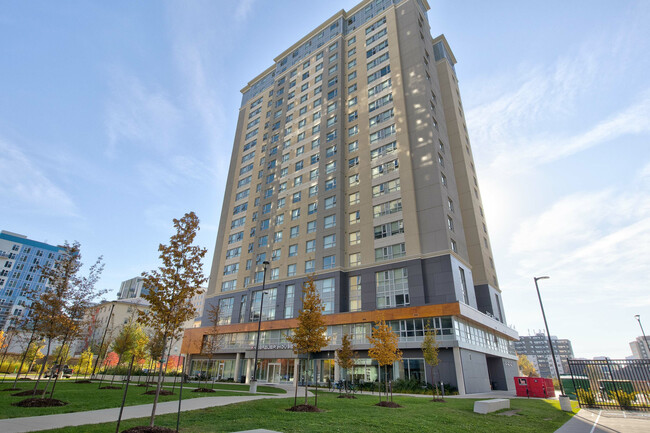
point(274, 373)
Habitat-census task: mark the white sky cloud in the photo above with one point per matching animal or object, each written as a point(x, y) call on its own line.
point(27, 188)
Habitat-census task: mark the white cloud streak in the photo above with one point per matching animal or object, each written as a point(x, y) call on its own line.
point(25, 187)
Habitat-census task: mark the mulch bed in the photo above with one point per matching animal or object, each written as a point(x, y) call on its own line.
point(83, 381)
point(346, 396)
point(162, 392)
point(39, 402)
point(203, 390)
point(10, 389)
point(147, 429)
point(438, 400)
point(110, 387)
point(144, 384)
point(388, 404)
point(28, 392)
point(304, 408)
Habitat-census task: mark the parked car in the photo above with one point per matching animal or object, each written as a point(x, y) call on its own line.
point(64, 371)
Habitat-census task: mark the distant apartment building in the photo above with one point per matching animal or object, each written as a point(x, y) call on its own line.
point(536, 348)
point(20, 262)
point(352, 165)
point(640, 348)
point(133, 288)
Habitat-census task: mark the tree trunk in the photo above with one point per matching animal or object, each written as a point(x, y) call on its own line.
point(22, 361)
point(386, 380)
point(316, 380)
point(159, 384)
point(59, 361)
point(379, 382)
point(306, 377)
point(296, 381)
point(49, 345)
point(126, 389)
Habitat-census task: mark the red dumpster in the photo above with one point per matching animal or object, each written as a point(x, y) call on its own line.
point(534, 387)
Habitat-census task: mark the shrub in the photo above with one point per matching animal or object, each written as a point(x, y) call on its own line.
point(586, 397)
point(624, 399)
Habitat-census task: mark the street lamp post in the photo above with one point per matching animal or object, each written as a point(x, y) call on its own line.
point(548, 334)
point(253, 387)
point(638, 319)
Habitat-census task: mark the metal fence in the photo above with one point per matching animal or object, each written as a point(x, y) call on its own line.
point(610, 384)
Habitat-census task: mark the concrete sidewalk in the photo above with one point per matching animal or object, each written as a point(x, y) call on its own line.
point(607, 421)
point(46, 422)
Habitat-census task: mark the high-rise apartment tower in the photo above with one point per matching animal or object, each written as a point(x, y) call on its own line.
point(352, 165)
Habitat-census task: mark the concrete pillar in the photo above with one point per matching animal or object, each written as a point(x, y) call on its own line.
point(249, 370)
point(296, 372)
point(237, 367)
point(458, 365)
point(337, 369)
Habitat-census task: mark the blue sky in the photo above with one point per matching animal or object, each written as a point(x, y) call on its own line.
point(116, 118)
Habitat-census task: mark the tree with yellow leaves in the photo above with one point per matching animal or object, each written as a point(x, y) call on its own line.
point(345, 357)
point(525, 366)
point(430, 349)
point(309, 337)
point(172, 287)
point(383, 348)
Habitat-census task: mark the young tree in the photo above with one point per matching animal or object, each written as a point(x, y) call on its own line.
point(213, 338)
point(525, 366)
point(384, 348)
point(172, 286)
point(59, 308)
point(346, 356)
point(430, 349)
point(85, 361)
point(309, 337)
point(127, 341)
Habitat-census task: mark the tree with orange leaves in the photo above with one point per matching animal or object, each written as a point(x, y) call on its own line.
point(309, 337)
point(383, 348)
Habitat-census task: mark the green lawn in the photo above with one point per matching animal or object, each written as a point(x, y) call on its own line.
point(83, 397)
point(360, 415)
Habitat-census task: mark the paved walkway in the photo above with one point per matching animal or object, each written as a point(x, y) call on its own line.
point(46, 422)
point(607, 421)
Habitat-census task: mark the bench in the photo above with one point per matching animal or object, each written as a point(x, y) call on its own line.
point(487, 406)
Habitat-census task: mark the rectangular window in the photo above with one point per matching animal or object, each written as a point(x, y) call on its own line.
point(310, 246)
point(311, 226)
point(380, 87)
point(225, 310)
point(389, 229)
point(355, 238)
point(390, 252)
point(293, 250)
point(355, 217)
point(355, 293)
point(329, 262)
point(387, 208)
point(377, 103)
point(355, 259)
point(382, 133)
point(312, 208)
point(268, 311)
point(329, 241)
point(463, 283)
point(294, 231)
point(378, 74)
point(353, 147)
point(310, 266)
point(383, 150)
point(228, 286)
point(330, 221)
point(291, 270)
point(377, 61)
point(392, 288)
point(330, 184)
point(327, 291)
point(330, 202)
point(288, 300)
point(385, 168)
point(330, 167)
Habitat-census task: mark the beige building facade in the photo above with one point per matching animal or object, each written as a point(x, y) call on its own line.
point(352, 165)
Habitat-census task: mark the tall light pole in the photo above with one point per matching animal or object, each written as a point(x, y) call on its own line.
point(253, 387)
point(647, 347)
point(548, 334)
